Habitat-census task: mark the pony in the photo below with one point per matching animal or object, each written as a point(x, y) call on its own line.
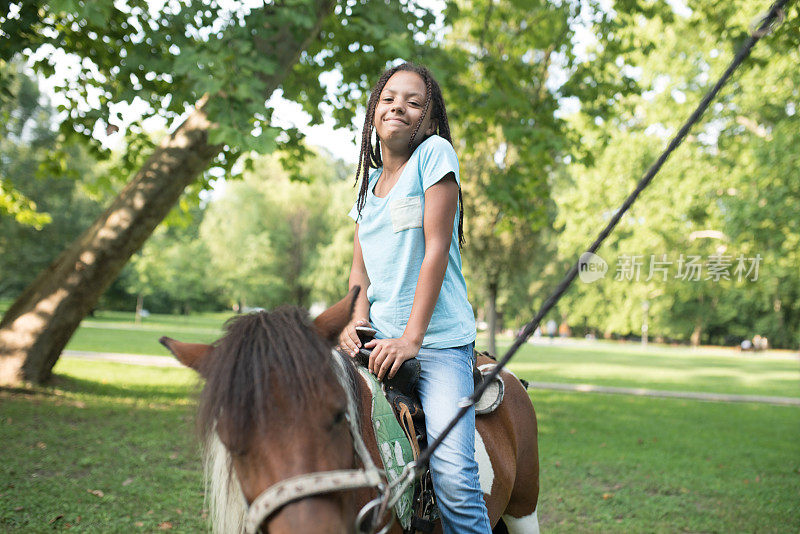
point(279, 404)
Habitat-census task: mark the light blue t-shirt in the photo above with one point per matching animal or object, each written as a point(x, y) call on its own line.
point(393, 245)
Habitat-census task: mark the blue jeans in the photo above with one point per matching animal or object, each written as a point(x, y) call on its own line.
point(446, 378)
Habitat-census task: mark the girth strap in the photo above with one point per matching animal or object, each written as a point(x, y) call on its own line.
point(302, 486)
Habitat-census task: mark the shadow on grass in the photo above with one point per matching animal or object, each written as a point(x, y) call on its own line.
point(160, 392)
point(24, 392)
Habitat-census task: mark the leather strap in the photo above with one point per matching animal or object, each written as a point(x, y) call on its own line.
point(407, 422)
point(302, 486)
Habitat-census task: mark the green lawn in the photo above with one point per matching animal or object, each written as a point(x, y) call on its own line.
point(111, 447)
point(685, 370)
point(602, 363)
point(105, 448)
point(629, 464)
point(110, 331)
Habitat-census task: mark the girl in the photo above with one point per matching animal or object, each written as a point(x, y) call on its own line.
point(406, 253)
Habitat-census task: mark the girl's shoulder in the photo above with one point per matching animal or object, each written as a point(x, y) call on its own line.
point(436, 157)
point(435, 143)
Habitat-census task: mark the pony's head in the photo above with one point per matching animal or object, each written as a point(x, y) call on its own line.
point(273, 408)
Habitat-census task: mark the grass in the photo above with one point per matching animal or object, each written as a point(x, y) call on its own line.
point(630, 464)
point(111, 447)
point(681, 369)
point(110, 331)
point(105, 448)
point(601, 363)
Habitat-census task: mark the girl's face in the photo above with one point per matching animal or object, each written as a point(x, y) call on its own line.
point(399, 109)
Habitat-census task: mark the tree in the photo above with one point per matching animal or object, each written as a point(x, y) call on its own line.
point(507, 129)
point(22, 114)
point(265, 233)
point(214, 65)
point(658, 228)
point(493, 234)
point(733, 177)
point(172, 273)
point(43, 210)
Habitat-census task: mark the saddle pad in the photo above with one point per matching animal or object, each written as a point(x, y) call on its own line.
point(395, 450)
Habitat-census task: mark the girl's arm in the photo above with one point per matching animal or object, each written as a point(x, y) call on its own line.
point(441, 203)
point(348, 339)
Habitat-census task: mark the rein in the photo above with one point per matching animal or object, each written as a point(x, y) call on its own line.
point(299, 487)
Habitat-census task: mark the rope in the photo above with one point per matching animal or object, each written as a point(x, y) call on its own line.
point(773, 17)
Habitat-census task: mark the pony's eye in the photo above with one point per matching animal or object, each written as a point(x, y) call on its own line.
point(339, 417)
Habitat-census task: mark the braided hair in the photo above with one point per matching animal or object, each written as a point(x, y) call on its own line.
point(370, 155)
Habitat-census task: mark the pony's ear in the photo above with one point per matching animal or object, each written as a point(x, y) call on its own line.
point(330, 323)
point(189, 354)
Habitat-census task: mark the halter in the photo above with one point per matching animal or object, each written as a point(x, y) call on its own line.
point(300, 487)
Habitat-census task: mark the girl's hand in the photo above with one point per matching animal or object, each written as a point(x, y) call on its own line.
point(348, 339)
point(389, 354)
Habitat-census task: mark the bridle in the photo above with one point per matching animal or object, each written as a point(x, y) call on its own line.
point(303, 486)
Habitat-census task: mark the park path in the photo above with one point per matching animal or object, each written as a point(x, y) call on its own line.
point(169, 361)
point(644, 392)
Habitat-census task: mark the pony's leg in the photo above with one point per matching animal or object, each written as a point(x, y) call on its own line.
point(522, 525)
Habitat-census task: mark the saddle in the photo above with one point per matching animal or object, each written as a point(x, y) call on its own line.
point(401, 392)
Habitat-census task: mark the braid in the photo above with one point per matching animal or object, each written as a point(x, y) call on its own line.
point(428, 88)
point(370, 155)
point(443, 127)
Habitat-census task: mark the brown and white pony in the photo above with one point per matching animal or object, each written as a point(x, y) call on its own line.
point(273, 408)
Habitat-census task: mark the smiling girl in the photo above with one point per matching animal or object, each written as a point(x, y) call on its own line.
point(406, 252)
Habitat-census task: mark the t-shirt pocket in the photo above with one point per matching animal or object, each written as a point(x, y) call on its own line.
point(406, 213)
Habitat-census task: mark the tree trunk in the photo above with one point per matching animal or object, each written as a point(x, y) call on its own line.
point(696, 333)
point(137, 316)
point(41, 321)
point(491, 319)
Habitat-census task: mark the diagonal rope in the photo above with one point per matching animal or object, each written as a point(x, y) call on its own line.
point(773, 17)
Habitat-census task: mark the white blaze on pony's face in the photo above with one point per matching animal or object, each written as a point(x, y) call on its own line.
point(303, 442)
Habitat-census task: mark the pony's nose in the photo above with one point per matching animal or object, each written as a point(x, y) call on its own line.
point(319, 515)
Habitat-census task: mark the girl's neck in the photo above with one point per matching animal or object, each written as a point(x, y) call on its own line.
point(393, 162)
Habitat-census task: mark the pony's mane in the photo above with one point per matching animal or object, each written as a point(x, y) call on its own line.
point(258, 349)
